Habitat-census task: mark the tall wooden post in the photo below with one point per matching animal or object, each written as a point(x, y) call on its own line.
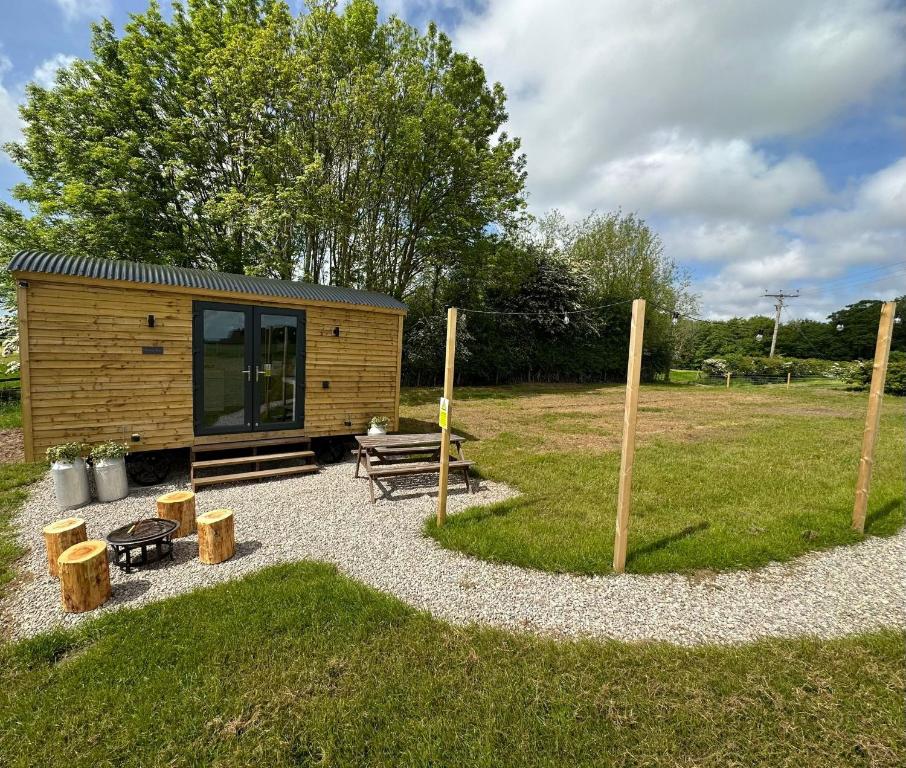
point(630, 411)
point(445, 432)
point(873, 418)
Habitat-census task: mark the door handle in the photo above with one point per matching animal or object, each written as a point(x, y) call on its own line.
point(248, 373)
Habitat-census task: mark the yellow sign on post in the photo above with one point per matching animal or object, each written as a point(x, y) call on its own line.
point(443, 418)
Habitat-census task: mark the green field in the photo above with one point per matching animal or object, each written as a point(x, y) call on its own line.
point(723, 479)
point(298, 666)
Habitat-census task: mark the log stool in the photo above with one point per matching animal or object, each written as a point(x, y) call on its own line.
point(179, 506)
point(84, 576)
point(215, 536)
point(60, 536)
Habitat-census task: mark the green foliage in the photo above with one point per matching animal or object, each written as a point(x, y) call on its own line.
point(110, 450)
point(858, 374)
point(553, 304)
point(297, 665)
point(379, 421)
point(745, 365)
point(66, 453)
point(235, 136)
point(699, 340)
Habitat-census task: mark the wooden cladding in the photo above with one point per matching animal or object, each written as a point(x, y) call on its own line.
point(95, 369)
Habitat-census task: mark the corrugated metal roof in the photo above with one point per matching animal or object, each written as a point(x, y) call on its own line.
point(159, 274)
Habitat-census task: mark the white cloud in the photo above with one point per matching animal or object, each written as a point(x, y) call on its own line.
point(663, 108)
point(720, 178)
point(80, 9)
point(46, 72)
point(10, 123)
point(856, 247)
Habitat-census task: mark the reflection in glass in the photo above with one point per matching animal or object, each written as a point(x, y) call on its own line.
point(224, 380)
point(277, 369)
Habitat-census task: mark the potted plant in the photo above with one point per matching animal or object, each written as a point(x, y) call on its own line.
point(378, 425)
point(70, 475)
point(109, 461)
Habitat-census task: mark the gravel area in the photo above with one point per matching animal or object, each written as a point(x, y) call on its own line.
point(328, 517)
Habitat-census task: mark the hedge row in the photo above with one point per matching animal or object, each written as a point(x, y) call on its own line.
point(745, 365)
point(856, 374)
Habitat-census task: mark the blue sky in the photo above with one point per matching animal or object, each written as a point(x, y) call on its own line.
point(763, 140)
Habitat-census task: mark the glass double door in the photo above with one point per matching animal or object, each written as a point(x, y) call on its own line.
point(248, 368)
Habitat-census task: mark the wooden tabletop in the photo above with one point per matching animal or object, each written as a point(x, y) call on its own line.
point(428, 440)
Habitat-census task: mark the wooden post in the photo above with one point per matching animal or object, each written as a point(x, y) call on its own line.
point(873, 418)
point(84, 576)
point(216, 537)
point(60, 536)
point(789, 375)
point(630, 411)
point(728, 380)
point(445, 433)
point(179, 506)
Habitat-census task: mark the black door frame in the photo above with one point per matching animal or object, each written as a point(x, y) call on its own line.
point(251, 397)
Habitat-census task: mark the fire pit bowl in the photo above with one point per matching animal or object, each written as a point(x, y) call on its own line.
point(142, 534)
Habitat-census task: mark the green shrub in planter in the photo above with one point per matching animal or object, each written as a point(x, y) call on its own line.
point(111, 450)
point(65, 453)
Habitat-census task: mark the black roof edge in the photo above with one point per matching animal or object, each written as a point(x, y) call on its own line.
point(202, 279)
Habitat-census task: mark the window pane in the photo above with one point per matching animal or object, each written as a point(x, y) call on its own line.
point(224, 361)
point(277, 370)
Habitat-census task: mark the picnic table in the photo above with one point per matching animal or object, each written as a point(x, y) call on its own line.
point(400, 455)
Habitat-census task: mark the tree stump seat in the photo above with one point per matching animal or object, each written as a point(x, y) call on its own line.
point(216, 541)
point(178, 506)
point(59, 536)
point(84, 576)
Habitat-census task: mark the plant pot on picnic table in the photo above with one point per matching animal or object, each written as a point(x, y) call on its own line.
point(378, 425)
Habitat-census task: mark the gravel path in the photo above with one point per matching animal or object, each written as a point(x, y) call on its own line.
point(328, 517)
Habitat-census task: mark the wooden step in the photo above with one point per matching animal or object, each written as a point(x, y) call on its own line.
point(260, 443)
point(259, 475)
point(261, 457)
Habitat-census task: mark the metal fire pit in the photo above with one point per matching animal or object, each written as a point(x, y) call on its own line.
point(153, 532)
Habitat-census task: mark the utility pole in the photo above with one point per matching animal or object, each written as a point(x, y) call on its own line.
point(778, 308)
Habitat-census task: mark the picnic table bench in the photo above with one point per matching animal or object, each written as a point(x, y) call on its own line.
point(402, 455)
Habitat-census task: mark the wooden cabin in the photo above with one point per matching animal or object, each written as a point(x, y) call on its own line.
point(165, 357)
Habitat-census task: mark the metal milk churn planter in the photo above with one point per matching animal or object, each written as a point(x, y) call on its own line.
point(110, 479)
point(70, 483)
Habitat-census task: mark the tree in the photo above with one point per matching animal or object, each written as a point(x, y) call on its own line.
point(328, 146)
point(557, 297)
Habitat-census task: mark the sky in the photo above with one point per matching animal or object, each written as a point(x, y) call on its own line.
point(764, 140)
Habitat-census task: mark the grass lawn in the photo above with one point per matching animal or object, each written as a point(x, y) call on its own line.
point(297, 666)
point(683, 376)
point(723, 478)
point(10, 415)
point(13, 481)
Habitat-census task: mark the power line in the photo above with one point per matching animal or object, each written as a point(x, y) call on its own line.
point(539, 313)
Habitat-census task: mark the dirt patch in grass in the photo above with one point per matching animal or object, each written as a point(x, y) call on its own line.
point(583, 418)
point(11, 448)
